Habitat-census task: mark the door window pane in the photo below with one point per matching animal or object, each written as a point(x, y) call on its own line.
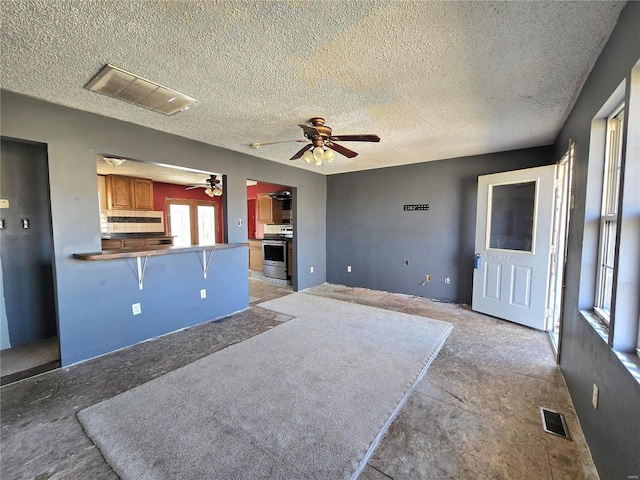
point(512, 210)
point(206, 225)
point(180, 225)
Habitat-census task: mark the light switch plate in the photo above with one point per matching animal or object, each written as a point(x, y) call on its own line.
point(136, 309)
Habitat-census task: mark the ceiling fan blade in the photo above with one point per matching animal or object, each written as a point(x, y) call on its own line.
point(341, 150)
point(191, 187)
point(356, 138)
point(257, 145)
point(301, 152)
point(310, 131)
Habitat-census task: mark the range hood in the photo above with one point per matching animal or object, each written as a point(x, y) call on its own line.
point(281, 195)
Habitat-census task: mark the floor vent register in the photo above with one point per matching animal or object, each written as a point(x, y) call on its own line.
point(554, 423)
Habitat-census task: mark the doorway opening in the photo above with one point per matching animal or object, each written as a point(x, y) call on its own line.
point(28, 317)
point(271, 233)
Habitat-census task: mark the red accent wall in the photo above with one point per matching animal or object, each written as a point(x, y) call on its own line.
point(162, 191)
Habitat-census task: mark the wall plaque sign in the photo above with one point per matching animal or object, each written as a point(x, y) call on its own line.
point(414, 208)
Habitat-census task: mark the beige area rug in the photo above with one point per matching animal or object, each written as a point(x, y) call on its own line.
point(308, 399)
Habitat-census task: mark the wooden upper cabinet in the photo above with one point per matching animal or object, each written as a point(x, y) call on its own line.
point(119, 192)
point(269, 210)
point(142, 194)
point(129, 193)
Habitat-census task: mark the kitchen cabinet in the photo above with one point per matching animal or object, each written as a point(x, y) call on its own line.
point(269, 210)
point(129, 193)
point(255, 255)
point(142, 194)
point(124, 243)
point(289, 259)
point(119, 192)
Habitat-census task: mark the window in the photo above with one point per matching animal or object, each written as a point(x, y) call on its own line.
point(609, 214)
point(180, 224)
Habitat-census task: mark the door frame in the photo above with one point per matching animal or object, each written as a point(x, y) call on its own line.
point(46, 211)
point(193, 216)
point(560, 237)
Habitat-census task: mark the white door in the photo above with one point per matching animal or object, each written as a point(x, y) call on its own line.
point(513, 237)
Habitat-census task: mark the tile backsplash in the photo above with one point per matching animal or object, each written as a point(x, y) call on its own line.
point(131, 221)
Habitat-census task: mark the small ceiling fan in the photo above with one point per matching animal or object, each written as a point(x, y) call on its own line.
point(213, 186)
point(323, 143)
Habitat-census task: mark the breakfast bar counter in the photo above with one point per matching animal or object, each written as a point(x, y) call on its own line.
point(142, 255)
point(134, 252)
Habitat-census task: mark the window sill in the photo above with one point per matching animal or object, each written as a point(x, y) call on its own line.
point(630, 361)
point(597, 324)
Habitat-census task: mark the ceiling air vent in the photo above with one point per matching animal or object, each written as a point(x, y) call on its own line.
point(120, 84)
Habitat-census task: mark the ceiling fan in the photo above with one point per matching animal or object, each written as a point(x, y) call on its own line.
point(212, 186)
point(323, 143)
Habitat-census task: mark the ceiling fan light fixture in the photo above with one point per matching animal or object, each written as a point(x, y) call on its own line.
point(209, 191)
point(329, 156)
point(318, 154)
point(307, 156)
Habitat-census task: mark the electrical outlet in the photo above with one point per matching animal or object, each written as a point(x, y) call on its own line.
point(594, 397)
point(349, 268)
point(311, 270)
point(447, 279)
point(406, 262)
point(203, 293)
point(239, 222)
point(136, 309)
point(427, 278)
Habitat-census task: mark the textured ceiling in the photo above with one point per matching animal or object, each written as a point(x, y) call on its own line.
point(433, 79)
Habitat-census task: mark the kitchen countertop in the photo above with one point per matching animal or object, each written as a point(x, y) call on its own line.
point(132, 253)
point(110, 236)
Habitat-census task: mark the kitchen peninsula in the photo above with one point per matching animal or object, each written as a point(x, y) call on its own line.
point(139, 254)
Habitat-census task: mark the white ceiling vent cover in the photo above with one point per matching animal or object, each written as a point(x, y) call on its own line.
point(126, 86)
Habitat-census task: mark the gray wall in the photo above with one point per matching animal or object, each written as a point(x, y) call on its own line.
point(611, 430)
point(94, 298)
point(368, 229)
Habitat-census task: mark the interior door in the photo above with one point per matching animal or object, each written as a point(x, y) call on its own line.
point(513, 238)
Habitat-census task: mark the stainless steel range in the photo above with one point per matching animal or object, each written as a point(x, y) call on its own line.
point(274, 255)
point(274, 250)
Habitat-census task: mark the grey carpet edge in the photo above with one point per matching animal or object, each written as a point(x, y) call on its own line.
point(378, 438)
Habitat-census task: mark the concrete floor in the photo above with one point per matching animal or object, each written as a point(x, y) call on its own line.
point(475, 415)
point(27, 357)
